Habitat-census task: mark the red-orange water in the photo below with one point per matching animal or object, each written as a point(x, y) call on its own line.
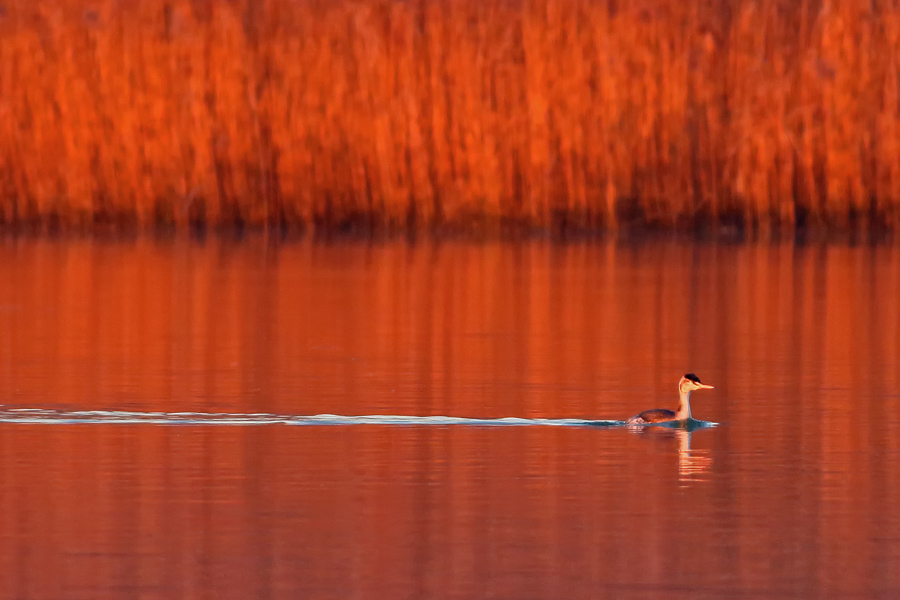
point(794, 495)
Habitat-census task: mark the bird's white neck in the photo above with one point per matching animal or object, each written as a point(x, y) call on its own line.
point(684, 405)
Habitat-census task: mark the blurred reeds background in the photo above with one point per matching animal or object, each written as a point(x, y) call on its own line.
point(450, 114)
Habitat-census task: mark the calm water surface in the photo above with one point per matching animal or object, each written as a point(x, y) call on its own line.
point(794, 495)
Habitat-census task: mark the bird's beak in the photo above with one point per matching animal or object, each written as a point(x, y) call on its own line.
point(706, 387)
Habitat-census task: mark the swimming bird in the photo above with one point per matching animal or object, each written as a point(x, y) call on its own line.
point(688, 384)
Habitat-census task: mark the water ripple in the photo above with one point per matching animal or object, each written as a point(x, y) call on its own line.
point(48, 416)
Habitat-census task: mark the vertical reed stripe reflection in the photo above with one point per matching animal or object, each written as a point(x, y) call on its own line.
point(799, 493)
point(435, 329)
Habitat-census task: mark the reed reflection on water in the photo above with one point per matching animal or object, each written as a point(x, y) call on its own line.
point(794, 495)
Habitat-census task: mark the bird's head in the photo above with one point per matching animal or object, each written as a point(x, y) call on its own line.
point(691, 382)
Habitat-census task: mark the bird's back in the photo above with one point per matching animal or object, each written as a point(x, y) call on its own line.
point(656, 415)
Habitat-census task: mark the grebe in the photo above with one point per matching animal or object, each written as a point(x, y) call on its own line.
point(688, 384)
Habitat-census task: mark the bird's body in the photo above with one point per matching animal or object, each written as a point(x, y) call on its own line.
point(686, 385)
point(656, 415)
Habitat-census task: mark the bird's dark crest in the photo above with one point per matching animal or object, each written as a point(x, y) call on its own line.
point(692, 377)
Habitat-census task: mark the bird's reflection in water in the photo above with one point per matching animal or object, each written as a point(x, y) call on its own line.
point(693, 464)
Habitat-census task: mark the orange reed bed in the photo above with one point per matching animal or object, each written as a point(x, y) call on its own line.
point(396, 114)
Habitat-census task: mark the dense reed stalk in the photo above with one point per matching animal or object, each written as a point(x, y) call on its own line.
point(547, 114)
